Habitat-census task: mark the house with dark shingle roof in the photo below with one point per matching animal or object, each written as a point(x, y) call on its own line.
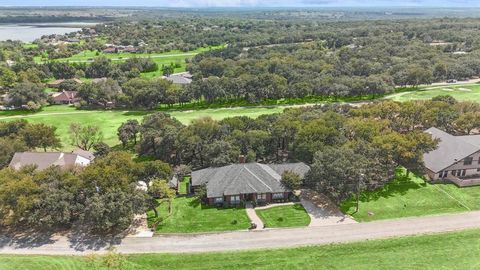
point(456, 159)
point(254, 182)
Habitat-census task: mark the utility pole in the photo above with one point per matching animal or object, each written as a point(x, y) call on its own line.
point(362, 176)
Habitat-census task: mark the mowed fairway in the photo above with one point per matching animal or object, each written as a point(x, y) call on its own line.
point(455, 250)
point(411, 196)
point(62, 116)
point(176, 57)
point(189, 215)
point(461, 92)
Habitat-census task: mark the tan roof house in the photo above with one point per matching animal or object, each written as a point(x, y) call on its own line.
point(44, 160)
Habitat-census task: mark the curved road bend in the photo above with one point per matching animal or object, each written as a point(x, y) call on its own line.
point(243, 240)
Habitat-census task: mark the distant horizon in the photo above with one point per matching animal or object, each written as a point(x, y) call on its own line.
point(249, 3)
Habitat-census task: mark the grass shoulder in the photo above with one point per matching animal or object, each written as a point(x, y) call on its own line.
point(414, 252)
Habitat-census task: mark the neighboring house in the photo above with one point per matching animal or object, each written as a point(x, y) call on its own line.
point(44, 160)
point(56, 83)
point(110, 50)
point(173, 183)
point(180, 79)
point(232, 184)
point(65, 97)
point(456, 159)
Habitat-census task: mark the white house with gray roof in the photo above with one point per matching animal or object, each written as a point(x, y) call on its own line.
point(256, 182)
point(456, 159)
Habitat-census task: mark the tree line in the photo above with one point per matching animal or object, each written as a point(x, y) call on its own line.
point(349, 149)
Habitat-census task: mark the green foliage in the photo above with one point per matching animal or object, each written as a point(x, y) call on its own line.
point(292, 180)
point(85, 137)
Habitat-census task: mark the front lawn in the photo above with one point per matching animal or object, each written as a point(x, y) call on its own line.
point(284, 216)
point(455, 250)
point(191, 216)
point(412, 196)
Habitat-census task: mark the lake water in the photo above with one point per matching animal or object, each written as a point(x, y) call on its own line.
point(30, 32)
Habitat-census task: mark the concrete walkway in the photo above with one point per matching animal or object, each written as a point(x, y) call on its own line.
point(322, 211)
point(242, 240)
point(252, 215)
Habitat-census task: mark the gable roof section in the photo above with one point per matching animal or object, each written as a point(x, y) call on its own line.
point(450, 149)
point(245, 178)
point(65, 96)
point(178, 79)
point(43, 160)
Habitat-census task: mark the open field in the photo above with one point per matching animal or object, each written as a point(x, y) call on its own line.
point(461, 92)
point(284, 216)
point(61, 116)
point(456, 250)
point(411, 196)
point(189, 215)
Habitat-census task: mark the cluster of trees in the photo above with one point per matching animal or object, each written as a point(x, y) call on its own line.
point(342, 143)
point(135, 93)
point(101, 67)
point(270, 59)
point(104, 197)
point(18, 136)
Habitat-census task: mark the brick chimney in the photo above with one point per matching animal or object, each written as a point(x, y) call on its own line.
point(241, 159)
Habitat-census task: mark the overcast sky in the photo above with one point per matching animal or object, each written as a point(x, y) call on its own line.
point(244, 3)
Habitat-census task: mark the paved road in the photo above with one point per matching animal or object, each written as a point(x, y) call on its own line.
point(247, 240)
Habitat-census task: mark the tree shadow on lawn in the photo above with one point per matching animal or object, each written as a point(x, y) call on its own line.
point(299, 207)
point(137, 113)
point(399, 186)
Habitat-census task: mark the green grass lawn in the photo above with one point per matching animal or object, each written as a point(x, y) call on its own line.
point(191, 216)
point(182, 185)
point(411, 196)
point(61, 116)
point(284, 216)
point(463, 92)
point(456, 250)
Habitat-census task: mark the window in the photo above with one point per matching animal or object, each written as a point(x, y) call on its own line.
point(219, 200)
point(235, 199)
point(443, 174)
point(478, 170)
point(468, 161)
point(277, 196)
point(464, 172)
point(261, 196)
point(454, 172)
